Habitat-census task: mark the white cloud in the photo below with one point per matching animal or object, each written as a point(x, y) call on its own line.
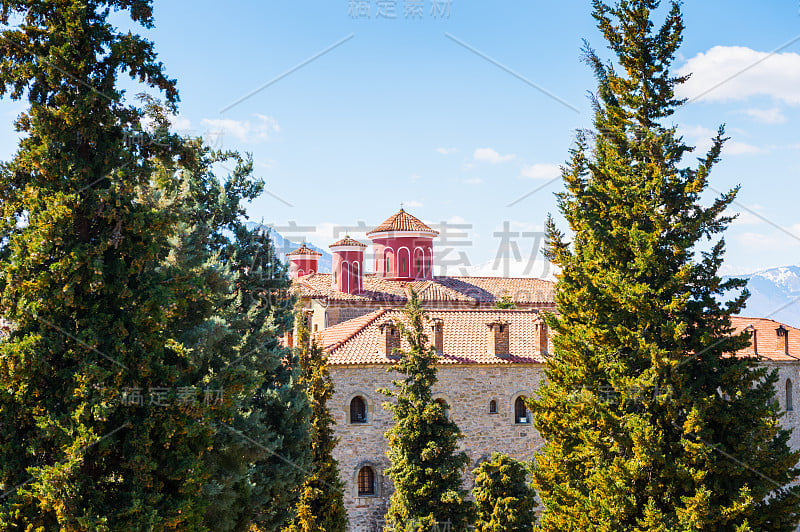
point(700, 137)
point(772, 240)
point(412, 204)
point(474, 181)
point(541, 171)
point(488, 155)
point(415, 177)
point(733, 147)
point(744, 218)
point(727, 73)
point(766, 116)
point(261, 130)
point(446, 151)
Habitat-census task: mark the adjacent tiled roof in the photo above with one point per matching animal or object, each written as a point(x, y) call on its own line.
point(304, 250)
point(402, 221)
point(466, 336)
point(450, 289)
point(358, 341)
point(768, 345)
point(347, 241)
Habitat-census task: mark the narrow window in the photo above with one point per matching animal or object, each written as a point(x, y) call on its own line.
point(521, 411)
point(403, 262)
point(492, 406)
point(358, 410)
point(366, 481)
point(789, 402)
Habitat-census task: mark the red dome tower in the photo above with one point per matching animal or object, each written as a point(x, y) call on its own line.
point(403, 248)
point(303, 261)
point(348, 265)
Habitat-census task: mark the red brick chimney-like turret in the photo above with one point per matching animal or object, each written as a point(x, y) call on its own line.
point(303, 261)
point(348, 265)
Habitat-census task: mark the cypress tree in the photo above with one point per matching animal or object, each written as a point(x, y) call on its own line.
point(651, 424)
point(321, 504)
point(426, 467)
point(503, 500)
point(81, 285)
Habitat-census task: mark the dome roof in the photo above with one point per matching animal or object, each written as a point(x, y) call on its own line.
point(347, 241)
point(402, 221)
point(304, 250)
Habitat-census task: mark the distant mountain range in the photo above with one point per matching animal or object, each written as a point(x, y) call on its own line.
point(283, 246)
point(775, 294)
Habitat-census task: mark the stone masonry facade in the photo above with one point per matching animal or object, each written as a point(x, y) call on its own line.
point(468, 391)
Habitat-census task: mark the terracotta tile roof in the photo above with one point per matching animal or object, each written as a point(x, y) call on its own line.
point(304, 250)
point(347, 241)
point(768, 344)
point(450, 289)
point(466, 337)
point(374, 289)
point(358, 341)
point(402, 221)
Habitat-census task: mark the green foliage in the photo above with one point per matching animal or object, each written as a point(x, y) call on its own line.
point(650, 423)
point(321, 503)
point(81, 285)
point(503, 500)
point(123, 265)
point(505, 302)
point(426, 466)
point(237, 305)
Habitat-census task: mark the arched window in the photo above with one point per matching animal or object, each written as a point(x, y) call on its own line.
point(358, 410)
point(419, 263)
point(366, 481)
point(789, 402)
point(521, 411)
point(492, 406)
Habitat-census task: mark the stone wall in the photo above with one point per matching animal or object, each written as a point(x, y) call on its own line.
point(468, 391)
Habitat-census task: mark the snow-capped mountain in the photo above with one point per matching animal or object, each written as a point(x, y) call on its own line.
point(283, 246)
point(775, 294)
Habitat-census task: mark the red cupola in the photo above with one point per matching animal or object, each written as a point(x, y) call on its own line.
point(348, 265)
point(303, 261)
point(403, 248)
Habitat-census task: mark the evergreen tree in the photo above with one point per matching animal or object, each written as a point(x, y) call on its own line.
point(126, 270)
point(651, 424)
point(426, 466)
point(321, 504)
point(82, 286)
point(238, 304)
point(503, 500)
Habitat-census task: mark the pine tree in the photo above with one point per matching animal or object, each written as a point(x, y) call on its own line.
point(81, 284)
point(237, 305)
point(426, 467)
point(503, 500)
point(651, 424)
point(321, 505)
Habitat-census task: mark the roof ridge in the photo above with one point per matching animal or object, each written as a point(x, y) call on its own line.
point(377, 313)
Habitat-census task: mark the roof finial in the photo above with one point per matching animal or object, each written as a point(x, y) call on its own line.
point(401, 206)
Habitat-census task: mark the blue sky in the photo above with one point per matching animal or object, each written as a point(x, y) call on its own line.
point(407, 110)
